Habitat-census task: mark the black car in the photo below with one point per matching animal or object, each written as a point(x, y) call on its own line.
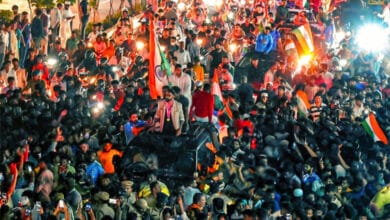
point(177, 157)
point(265, 62)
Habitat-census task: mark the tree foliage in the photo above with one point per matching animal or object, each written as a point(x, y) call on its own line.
point(48, 3)
point(5, 16)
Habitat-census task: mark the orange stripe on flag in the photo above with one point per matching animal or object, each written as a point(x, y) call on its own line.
point(378, 132)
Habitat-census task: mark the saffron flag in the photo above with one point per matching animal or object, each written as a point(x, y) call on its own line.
point(371, 125)
point(303, 103)
point(159, 67)
point(304, 38)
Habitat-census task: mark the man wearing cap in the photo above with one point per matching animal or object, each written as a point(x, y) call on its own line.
point(65, 26)
point(128, 198)
point(102, 208)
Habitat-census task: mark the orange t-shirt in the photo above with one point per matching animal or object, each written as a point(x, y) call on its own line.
point(105, 158)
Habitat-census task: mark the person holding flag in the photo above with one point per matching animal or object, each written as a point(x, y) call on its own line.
point(159, 68)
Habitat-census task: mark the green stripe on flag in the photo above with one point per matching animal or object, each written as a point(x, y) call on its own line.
point(367, 127)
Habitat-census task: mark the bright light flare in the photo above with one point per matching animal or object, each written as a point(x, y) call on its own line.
point(343, 62)
point(162, 48)
point(230, 15)
point(305, 59)
point(52, 61)
point(339, 36)
point(181, 6)
point(372, 37)
point(100, 105)
point(89, 45)
point(233, 48)
point(115, 68)
point(140, 45)
point(136, 24)
point(199, 41)
point(215, 3)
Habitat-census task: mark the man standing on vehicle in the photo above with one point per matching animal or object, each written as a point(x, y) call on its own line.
point(169, 117)
point(264, 41)
point(255, 77)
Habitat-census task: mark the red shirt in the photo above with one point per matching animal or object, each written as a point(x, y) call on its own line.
point(44, 70)
point(204, 105)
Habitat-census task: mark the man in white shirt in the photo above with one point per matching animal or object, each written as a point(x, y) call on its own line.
point(65, 28)
point(6, 72)
point(55, 19)
point(19, 73)
point(182, 55)
point(183, 81)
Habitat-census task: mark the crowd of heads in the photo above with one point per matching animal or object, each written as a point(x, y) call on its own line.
point(293, 140)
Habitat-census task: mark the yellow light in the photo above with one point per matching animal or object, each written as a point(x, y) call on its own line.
point(89, 45)
point(233, 48)
point(140, 45)
point(162, 48)
point(94, 97)
point(218, 3)
point(199, 41)
point(304, 60)
point(95, 110)
point(92, 81)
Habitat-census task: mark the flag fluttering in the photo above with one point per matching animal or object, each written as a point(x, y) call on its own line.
point(159, 67)
point(371, 125)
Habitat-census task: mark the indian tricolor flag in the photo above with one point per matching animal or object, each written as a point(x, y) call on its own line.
point(370, 124)
point(303, 103)
point(159, 67)
point(304, 39)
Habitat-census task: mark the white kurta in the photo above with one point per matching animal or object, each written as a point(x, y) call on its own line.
point(65, 30)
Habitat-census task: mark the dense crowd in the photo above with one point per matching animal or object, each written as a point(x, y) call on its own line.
point(297, 141)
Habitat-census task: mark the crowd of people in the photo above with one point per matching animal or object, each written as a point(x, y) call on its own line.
point(294, 142)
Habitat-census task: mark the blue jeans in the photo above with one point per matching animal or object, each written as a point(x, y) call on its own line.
point(2, 55)
point(84, 22)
